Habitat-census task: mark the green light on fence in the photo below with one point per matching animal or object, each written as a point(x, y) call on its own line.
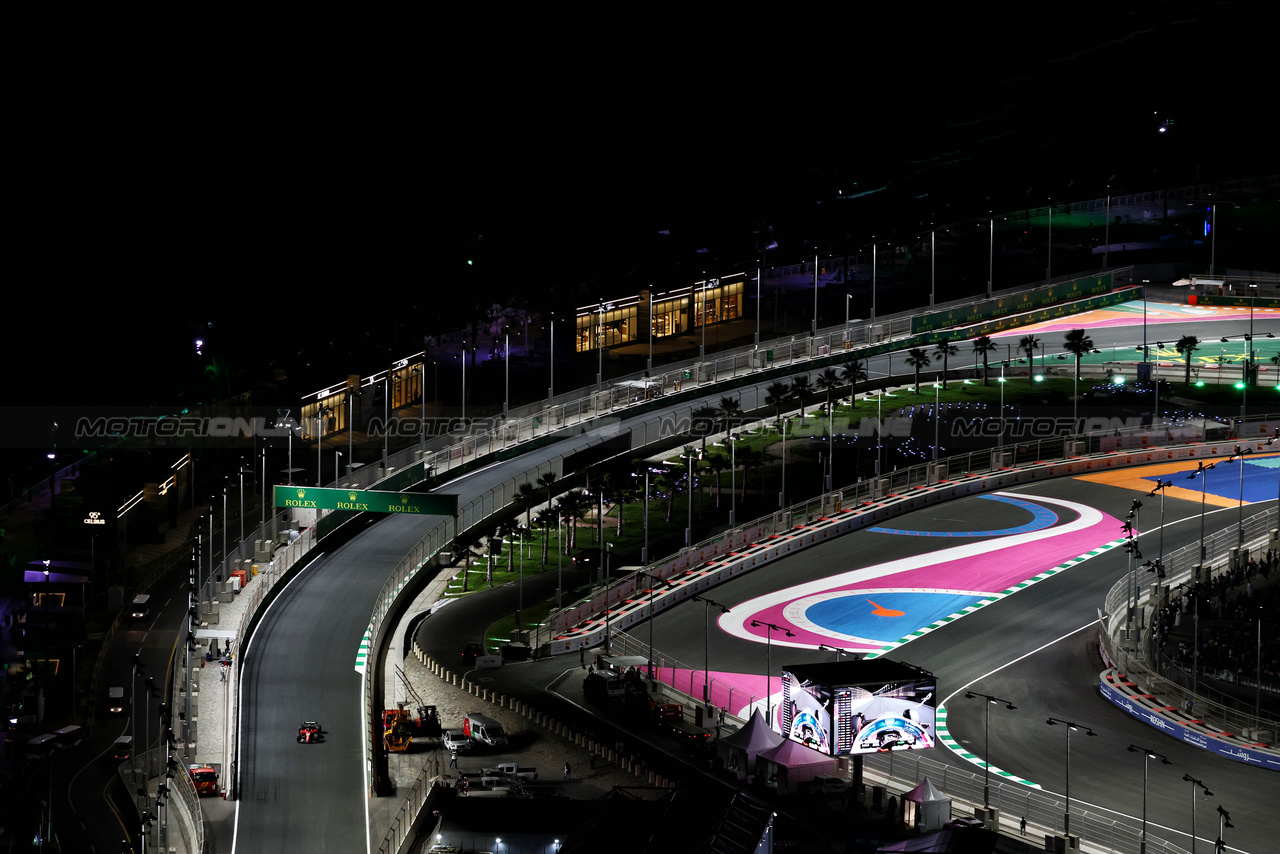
point(1199, 383)
point(1039, 378)
point(1118, 379)
point(1239, 385)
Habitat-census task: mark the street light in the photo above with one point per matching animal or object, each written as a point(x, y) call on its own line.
point(837, 650)
point(986, 748)
point(1224, 821)
point(1201, 470)
point(782, 495)
point(1164, 760)
point(937, 403)
point(770, 628)
point(1130, 530)
point(706, 648)
point(732, 441)
point(656, 580)
point(1239, 455)
point(1066, 816)
point(1160, 487)
point(1187, 778)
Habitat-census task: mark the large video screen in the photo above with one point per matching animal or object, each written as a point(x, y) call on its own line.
point(842, 720)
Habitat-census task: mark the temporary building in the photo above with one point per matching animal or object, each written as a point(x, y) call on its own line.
point(739, 750)
point(924, 808)
point(789, 764)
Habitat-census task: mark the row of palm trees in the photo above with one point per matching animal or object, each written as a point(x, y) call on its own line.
point(576, 504)
point(1077, 342)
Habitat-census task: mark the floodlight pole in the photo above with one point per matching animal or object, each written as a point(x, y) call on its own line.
point(770, 628)
point(706, 649)
point(1164, 760)
point(1066, 816)
point(986, 749)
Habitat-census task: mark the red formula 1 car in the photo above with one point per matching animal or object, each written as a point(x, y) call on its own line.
point(310, 733)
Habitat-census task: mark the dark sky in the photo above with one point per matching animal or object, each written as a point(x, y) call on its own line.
point(318, 184)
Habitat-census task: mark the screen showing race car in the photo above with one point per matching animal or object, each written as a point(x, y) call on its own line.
point(859, 707)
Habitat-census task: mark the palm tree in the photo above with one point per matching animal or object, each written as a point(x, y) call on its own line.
point(719, 464)
point(982, 346)
point(853, 373)
point(777, 395)
point(828, 381)
point(730, 411)
point(468, 546)
point(546, 481)
point(509, 532)
point(624, 493)
point(799, 388)
point(1077, 343)
point(668, 482)
point(703, 422)
point(493, 548)
point(945, 349)
point(917, 358)
point(526, 497)
point(1187, 345)
point(544, 520)
point(572, 505)
point(1028, 344)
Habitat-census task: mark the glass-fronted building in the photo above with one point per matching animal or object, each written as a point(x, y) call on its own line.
point(609, 324)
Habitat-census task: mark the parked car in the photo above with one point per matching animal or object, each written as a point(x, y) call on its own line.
point(456, 742)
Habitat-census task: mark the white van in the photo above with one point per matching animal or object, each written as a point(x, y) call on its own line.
point(483, 729)
point(139, 608)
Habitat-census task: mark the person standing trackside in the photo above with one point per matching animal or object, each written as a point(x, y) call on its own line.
point(453, 758)
point(566, 770)
point(1022, 826)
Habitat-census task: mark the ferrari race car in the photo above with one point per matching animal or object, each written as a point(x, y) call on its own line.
point(310, 732)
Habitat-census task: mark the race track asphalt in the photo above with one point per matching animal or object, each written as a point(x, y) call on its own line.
point(301, 663)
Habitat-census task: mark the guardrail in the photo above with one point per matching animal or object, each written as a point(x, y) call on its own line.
point(1132, 656)
point(449, 453)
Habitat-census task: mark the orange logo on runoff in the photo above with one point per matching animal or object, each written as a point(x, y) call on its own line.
point(881, 611)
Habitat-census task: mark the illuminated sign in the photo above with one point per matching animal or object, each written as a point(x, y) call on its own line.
point(94, 518)
point(365, 501)
point(873, 706)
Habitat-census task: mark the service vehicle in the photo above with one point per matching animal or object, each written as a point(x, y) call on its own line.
point(41, 746)
point(397, 729)
point(140, 607)
point(70, 736)
point(693, 739)
point(456, 741)
point(485, 730)
point(122, 747)
point(204, 778)
point(601, 686)
point(310, 733)
point(470, 651)
point(497, 787)
point(115, 700)
point(511, 769)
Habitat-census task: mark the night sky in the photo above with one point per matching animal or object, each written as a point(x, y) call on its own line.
point(316, 186)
